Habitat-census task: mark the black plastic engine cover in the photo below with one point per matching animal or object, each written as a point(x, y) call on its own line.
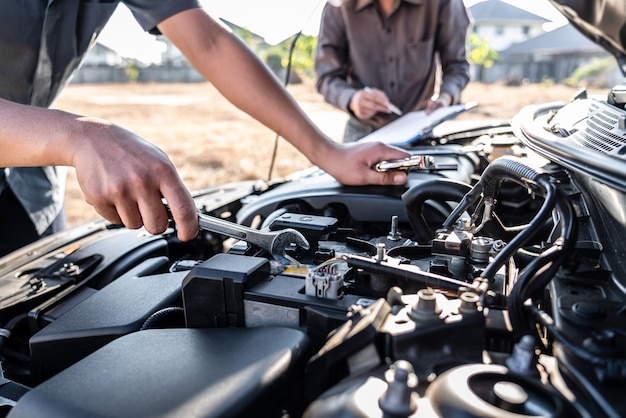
point(118, 309)
point(319, 191)
point(178, 372)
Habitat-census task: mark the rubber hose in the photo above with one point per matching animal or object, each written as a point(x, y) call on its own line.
point(504, 168)
point(436, 189)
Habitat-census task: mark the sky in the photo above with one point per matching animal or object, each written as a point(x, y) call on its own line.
point(275, 23)
point(275, 20)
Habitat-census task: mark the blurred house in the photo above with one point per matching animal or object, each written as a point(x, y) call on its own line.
point(503, 24)
point(555, 55)
point(102, 55)
point(101, 64)
point(526, 51)
point(173, 68)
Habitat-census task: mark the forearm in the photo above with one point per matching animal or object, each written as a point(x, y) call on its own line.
point(453, 84)
point(32, 136)
point(335, 90)
point(331, 60)
point(247, 83)
point(451, 44)
point(243, 79)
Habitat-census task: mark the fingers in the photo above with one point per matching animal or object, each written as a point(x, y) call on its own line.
point(433, 105)
point(125, 179)
point(367, 102)
point(183, 210)
point(382, 152)
point(390, 178)
point(353, 164)
point(145, 206)
point(153, 216)
point(109, 213)
point(442, 101)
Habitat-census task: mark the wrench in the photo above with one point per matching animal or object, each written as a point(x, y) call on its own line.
point(274, 242)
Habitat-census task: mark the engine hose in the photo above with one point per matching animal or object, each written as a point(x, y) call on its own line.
point(541, 266)
point(437, 189)
point(535, 224)
point(504, 168)
point(536, 276)
point(508, 168)
point(565, 244)
point(7, 330)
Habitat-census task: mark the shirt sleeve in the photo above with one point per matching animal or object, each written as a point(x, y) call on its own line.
point(332, 59)
point(451, 45)
point(149, 13)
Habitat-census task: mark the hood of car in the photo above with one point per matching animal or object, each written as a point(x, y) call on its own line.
point(602, 21)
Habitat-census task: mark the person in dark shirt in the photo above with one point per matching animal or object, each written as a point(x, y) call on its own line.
point(377, 57)
point(122, 175)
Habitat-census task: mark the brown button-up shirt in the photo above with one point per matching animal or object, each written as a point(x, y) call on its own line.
point(358, 46)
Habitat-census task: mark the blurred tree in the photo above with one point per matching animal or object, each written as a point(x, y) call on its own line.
point(595, 72)
point(277, 56)
point(301, 55)
point(132, 69)
point(480, 54)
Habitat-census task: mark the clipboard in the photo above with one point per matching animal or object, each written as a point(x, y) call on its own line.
point(409, 128)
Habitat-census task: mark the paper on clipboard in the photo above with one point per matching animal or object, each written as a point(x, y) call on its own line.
point(413, 125)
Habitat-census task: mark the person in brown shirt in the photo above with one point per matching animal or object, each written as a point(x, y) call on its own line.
point(373, 55)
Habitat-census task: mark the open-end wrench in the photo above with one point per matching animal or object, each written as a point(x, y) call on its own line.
point(274, 242)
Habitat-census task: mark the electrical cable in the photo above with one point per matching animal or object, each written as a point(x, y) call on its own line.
point(292, 47)
point(521, 238)
point(168, 313)
point(539, 272)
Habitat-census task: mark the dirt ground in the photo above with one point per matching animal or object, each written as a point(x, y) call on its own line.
point(211, 142)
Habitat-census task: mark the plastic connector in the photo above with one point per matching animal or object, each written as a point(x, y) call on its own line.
point(324, 285)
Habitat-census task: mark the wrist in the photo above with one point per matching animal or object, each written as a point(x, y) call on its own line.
point(322, 150)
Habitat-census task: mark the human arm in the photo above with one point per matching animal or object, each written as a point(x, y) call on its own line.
point(246, 82)
point(331, 68)
point(122, 176)
point(451, 45)
point(332, 61)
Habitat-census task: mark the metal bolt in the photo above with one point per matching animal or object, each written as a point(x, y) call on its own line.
point(381, 252)
point(398, 400)
point(426, 308)
point(469, 303)
point(394, 235)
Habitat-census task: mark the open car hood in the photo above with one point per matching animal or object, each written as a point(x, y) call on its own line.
point(604, 22)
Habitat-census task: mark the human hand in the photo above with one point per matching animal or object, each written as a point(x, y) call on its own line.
point(443, 100)
point(365, 103)
point(125, 178)
point(352, 164)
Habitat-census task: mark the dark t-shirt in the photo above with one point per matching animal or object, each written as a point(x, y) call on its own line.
point(42, 42)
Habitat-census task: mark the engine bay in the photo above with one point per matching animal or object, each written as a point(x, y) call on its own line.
point(492, 284)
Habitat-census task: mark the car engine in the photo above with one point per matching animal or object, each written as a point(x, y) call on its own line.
point(492, 284)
